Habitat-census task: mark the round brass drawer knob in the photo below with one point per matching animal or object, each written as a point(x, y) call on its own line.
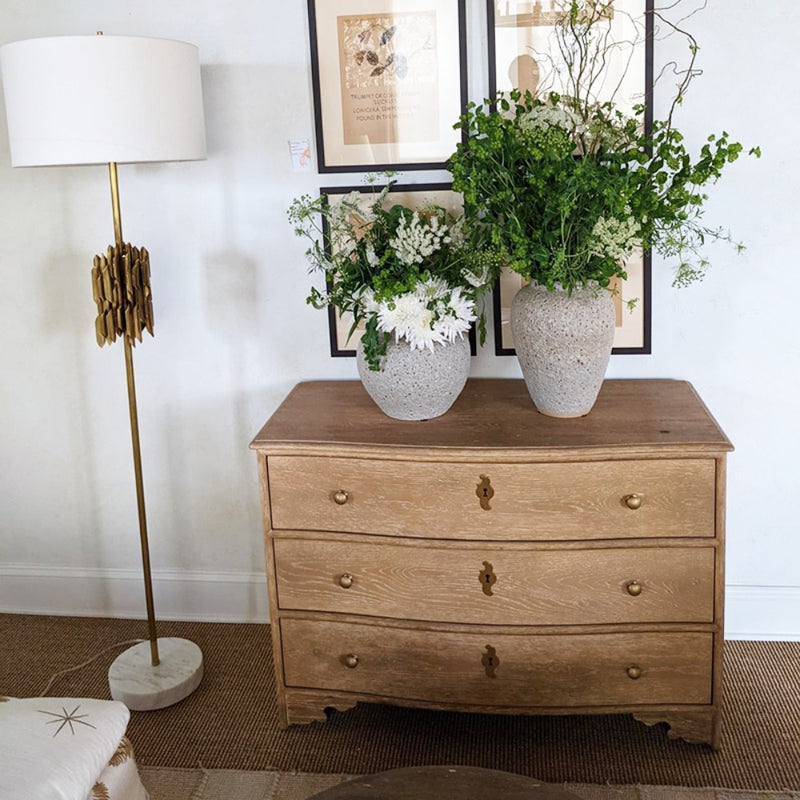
point(634, 588)
point(633, 501)
point(351, 660)
point(341, 497)
point(346, 580)
point(634, 673)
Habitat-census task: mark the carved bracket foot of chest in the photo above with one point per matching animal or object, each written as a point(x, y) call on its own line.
point(695, 727)
point(303, 707)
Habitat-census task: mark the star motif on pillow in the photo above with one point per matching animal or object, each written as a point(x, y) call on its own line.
point(67, 718)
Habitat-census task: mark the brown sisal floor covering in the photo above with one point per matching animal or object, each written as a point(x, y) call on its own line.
point(230, 722)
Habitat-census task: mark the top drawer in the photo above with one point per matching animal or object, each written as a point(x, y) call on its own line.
point(550, 501)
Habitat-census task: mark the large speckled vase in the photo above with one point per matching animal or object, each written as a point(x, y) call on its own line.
point(416, 384)
point(563, 343)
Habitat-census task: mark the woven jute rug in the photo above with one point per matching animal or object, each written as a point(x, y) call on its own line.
point(224, 784)
point(230, 721)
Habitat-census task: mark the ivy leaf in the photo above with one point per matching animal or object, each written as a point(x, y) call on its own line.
point(387, 35)
point(372, 57)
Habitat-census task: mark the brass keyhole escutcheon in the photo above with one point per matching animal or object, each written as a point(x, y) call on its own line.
point(490, 661)
point(485, 492)
point(487, 578)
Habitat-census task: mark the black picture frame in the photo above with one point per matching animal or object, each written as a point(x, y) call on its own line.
point(634, 329)
point(401, 118)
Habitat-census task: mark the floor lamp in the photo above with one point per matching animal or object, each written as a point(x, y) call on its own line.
point(109, 100)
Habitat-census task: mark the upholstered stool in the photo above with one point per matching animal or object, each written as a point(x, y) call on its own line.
point(66, 747)
point(444, 783)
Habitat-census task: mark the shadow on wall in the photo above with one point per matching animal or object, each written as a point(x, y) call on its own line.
point(63, 312)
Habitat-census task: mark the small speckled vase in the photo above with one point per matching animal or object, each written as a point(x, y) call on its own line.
point(416, 384)
point(563, 343)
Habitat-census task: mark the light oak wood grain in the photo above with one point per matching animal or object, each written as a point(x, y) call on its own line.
point(530, 501)
point(412, 580)
point(494, 416)
point(392, 579)
point(532, 670)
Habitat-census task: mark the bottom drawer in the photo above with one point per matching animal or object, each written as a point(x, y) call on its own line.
point(490, 668)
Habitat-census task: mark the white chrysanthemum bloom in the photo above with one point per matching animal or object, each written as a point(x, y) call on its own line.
point(413, 242)
point(456, 316)
point(424, 336)
point(616, 238)
point(403, 315)
point(431, 289)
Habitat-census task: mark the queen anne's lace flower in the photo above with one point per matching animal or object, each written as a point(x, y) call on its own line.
point(616, 238)
point(413, 242)
point(544, 117)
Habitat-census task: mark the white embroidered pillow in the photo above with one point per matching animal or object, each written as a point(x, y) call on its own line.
point(54, 748)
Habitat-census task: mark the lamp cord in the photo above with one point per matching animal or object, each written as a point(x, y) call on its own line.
point(86, 663)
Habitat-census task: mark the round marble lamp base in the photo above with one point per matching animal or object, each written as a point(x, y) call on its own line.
point(142, 687)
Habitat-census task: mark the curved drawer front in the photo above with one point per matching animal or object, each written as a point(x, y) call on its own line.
point(498, 669)
point(590, 500)
point(484, 584)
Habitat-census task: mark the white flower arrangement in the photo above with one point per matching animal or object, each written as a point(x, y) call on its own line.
point(405, 273)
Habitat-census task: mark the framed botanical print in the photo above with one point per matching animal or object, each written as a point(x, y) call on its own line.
point(343, 336)
point(389, 82)
point(524, 52)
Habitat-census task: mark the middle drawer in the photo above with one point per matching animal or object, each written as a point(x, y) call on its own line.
point(483, 583)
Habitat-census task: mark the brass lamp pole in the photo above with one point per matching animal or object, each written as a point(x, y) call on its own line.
point(137, 454)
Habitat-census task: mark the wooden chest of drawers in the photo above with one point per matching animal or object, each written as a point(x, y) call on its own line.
point(495, 559)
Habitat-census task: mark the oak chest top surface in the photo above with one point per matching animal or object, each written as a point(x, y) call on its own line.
point(497, 414)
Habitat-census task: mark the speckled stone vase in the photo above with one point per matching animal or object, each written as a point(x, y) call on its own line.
point(416, 384)
point(563, 344)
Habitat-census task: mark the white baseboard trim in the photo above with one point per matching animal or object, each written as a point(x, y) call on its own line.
point(751, 612)
point(177, 594)
point(768, 613)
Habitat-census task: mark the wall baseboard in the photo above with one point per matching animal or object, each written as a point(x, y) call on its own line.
point(178, 594)
point(769, 613)
point(751, 612)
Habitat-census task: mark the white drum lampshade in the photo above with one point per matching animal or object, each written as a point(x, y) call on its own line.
point(102, 99)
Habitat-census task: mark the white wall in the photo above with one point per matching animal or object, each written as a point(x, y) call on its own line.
point(233, 333)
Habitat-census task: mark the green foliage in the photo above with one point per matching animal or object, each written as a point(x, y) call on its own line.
point(565, 187)
point(545, 183)
point(373, 252)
